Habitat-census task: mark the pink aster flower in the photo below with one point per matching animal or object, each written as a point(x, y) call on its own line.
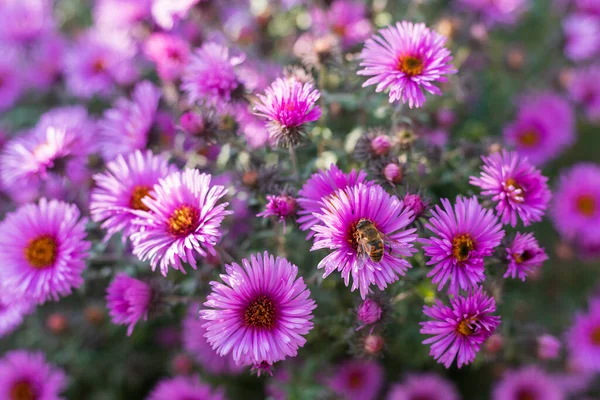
point(23, 21)
point(368, 312)
point(47, 256)
point(524, 256)
point(505, 12)
point(120, 14)
point(122, 187)
point(12, 313)
point(280, 207)
point(518, 188)
point(423, 387)
point(287, 106)
point(195, 343)
point(346, 19)
point(584, 88)
point(183, 219)
point(527, 383)
point(185, 388)
point(128, 301)
point(260, 313)
point(406, 59)
point(582, 36)
point(464, 235)
point(583, 338)
point(312, 196)
point(544, 127)
point(366, 229)
point(168, 12)
point(576, 206)
point(357, 380)
point(211, 77)
point(125, 127)
point(27, 375)
point(169, 52)
point(459, 330)
point(11, 79)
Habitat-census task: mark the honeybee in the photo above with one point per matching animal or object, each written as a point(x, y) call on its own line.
point(373, 244)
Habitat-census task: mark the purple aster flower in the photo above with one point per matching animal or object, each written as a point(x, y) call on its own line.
point(260, 313)
point(582, 36)
point(185, 388)
point(44, 250)
point(12, 313)
point(357, 380)
point(120, 14)
point(27, 375)
point(518, 188)
point(23, 21)
point(584, 88)
point(44, 61)
point(211, 76)
point(11, 79)
point(366, 229)
point(406, 59)
point(128, 301)
point(183, 219)
point(524, 256)
point(122, 187)
point(312, 196)
point(125, 127)
point(167, 12)
point(423, 387)
point(347, 19)
point(195, 343)
point(465, 234)
point(459, 330)
point(505, 12)
point(591, 7)
point(288, 105)
point(576, 206)
point(529, 383)
point(548, 347)
point(281, 207)
point(169, 52)
point(583, 338)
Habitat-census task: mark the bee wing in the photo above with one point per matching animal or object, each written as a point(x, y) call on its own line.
point(362, 256)
point(395, 247)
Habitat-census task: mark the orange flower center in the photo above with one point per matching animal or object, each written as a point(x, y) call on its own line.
point(183, 221)
point(41, 252)
point(23, 390)
point(525, 394)
point(586, 204)
point(463, 328)
point(410, 65)
point(99, 66)
point(596, 336)
point(139, 192)
point(522, 257)
point(339, 29)
point(529, 138)
point(462, 245)
point(355, 379)
point(512, 182)
point(260, 313)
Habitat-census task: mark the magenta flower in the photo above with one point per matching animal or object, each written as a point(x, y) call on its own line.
point(357, 380)
point(44, 251)
point(459, 330)
point(368, 313)
point(584, 88)
point(505, 12)
point(211, 76)
point(24, 21)
point(27, 375)
point(11, 79)
point(260, 313)
point(312, 196)
point(548, 347)
point(416, 203)
point(288, 105)
point(582, 36)
point(168, 12)
point(524, 256)
point(543, 129)
point(527, 383)
point(347, 19)
point(120, 14)
point(518, 188)
point(466, 233)
point(425, 387)
point(128, 301)
point(195, 343)
point(406, 59)
point(125, 127)
point(280, 207)
point(344, 218)
point(576, 207)
point(121, 188)
point(583, 338)
point(185, 388)
point(170, 53)
point(12, 313)
point(183, 219)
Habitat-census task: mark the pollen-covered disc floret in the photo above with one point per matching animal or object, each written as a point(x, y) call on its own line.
point(182, 221)
point(340, 216)
point(406, 59)
point(260, 313)
point(459, 329)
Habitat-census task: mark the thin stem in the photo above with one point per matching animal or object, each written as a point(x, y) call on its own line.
point(294, 161)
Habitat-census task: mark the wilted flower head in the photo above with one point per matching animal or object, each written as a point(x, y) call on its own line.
point(346, 19)
point(128, 300)
point(27, 375)
point(582, 36)
point(527, 383)
point(357, 380)
point(425, 387)
point(169, 52)
point(518, 188)
point(548, 347)
point(369, 312)
point(406, 59)
point(185, 388)
point(464, 235)
point(182, 219)
point(524, 256)
point(365, 228)
point(583, 338)
point(498, 11)
point(459, 330)
point(584, 88)
point(260, 313)
point(288, 105)
point(167, 13)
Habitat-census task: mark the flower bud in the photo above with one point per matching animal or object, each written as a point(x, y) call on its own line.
point(57, 323)
point(494, 344)
point(369, 312)
point(548, 347)
point(94, 315)
point(381, 145)
point(181, 364)
point(415, 203)
point(373, 344)
point(393, 173)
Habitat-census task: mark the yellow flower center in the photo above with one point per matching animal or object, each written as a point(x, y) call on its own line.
point(462, 245)
point(463, 328)
point(23, 390)
point(410, 65)
point(139, 192)
point(596, 336)
point(183, 221)
point(41, 252)
point(512, 182)
point(260, 313)
point(586, 205)
point(529, 138)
